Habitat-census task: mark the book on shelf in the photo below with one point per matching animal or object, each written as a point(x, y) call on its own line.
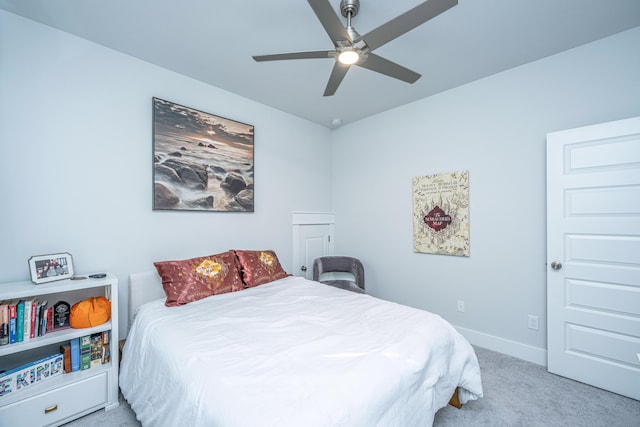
point(106, 347)
point(85, 352)
point(25, 376)
point(23, 320)
point(65, 349)
point(35, 312)
point(34, 308)
point(27, 320)
point(20, 321)
point(12, 322)
point(42, 322)
point(4, 323)
point(75, 354)
point(49, 326)
point(96, 349)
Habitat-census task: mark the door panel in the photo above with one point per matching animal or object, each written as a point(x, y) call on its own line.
point(593, 230)
point(315, 240)
point(603, 297)
point(603, 249)
point(312, 238)
point(608, 346)
point(610, 201)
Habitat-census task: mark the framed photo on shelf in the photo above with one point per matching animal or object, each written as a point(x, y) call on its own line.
point(48, 268)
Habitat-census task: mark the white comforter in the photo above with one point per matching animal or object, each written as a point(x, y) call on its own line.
point(293, 353)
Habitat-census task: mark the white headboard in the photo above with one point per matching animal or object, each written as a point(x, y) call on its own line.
point(143, 287)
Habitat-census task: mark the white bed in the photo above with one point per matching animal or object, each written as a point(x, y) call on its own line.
point(292, 352)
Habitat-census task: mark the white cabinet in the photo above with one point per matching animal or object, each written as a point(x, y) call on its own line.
point(62, 398)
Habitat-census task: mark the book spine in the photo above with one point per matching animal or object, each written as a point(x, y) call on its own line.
point(20, 321)
point(27, 320)
point(75, 354)
point(85, 352)
point(49, 319)
point(96, 349)
point(42, 327)
point(4, 323)
point(65, 349)
point(38, 319)
point(34, 309)
point(106, 347)
point(12, 323)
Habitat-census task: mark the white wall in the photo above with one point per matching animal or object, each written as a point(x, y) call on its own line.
point(76, 150)
point(495, 128)
point(75, 144)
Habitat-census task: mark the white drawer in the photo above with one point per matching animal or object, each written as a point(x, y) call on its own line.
point(67, 400)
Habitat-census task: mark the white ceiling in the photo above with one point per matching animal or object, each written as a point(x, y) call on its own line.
point(213, 41)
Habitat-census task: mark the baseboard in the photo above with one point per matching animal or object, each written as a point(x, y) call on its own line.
point(512, 348)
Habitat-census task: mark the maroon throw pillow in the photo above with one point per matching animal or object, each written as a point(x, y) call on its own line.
point(192, 279)
point(258, 267)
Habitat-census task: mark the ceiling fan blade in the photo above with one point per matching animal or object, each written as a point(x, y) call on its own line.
point(384, 66)
point(406, 22)
point(337, 74)
point(295, 55)
point(329, 20)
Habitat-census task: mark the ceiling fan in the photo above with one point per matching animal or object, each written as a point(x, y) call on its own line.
point(353, 49)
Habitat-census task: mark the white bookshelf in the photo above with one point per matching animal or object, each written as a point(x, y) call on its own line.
point(65, 397)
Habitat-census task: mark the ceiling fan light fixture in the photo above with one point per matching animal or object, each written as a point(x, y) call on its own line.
point(348, 57)
point(353, 49)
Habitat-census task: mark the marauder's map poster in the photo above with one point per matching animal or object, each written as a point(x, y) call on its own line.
point(441, 214)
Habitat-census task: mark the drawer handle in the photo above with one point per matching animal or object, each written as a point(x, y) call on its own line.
point(51, 409)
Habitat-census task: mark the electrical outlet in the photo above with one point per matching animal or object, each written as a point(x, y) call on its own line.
point(533, 322)
point(461, 306)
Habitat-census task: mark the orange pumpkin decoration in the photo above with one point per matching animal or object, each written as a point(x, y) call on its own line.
point(90, 312)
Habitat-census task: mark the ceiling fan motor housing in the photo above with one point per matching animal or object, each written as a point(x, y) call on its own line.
point(349, 8)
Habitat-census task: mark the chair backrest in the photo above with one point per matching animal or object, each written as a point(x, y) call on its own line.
point(336, 264)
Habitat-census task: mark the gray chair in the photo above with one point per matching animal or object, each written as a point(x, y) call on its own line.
point(340, 264)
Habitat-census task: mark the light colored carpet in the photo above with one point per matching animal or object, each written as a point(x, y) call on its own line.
point(523, 394)
point(516, 394)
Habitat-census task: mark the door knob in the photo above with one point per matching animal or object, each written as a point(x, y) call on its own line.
point(556, 265)
point(303, 268)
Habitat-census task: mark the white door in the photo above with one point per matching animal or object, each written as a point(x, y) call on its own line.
point(315, 241)
point(312, 238)
point(593, 255)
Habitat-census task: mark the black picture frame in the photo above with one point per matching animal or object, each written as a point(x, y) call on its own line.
point(201, 162)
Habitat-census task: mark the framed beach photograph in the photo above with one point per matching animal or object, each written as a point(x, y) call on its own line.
point(48, 268)
point(201, 162)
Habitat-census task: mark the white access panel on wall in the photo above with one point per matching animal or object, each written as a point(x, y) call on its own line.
point(312, 238)
point(593, 255)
